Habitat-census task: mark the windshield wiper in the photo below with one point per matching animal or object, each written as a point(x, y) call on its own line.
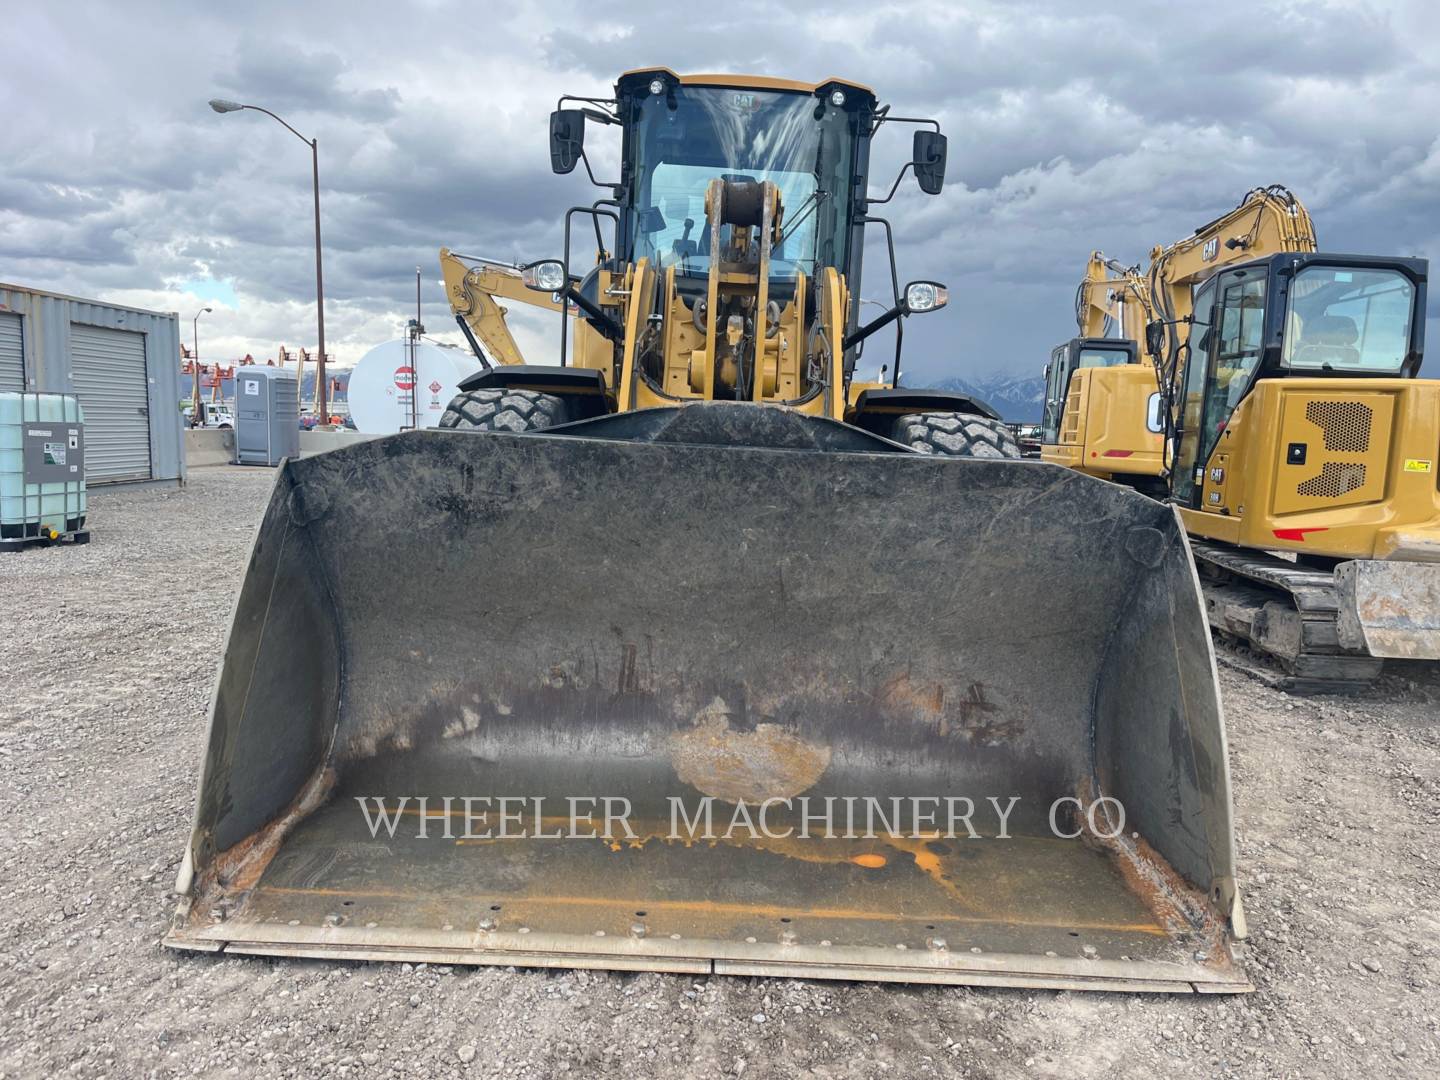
point(805, 209)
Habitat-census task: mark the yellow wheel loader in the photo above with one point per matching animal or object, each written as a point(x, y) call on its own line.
point(695, 654)
point(1282, 415)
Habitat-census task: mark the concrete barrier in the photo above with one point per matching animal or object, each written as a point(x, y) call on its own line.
point(209, 446)
point(215, 446)
point(317, 442)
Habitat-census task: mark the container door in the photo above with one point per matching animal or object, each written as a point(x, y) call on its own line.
point(108, 367)
point(12, 356)
point(252, 417)
point(285, 419)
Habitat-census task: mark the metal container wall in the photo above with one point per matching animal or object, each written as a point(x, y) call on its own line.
point(49, 324)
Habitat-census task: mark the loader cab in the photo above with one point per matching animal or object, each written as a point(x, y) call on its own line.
point(1289, 316)
point(812, 143)
point(782, 237)
point(1076, 353)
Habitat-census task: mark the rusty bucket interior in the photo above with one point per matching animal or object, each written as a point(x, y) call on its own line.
point(848, 651)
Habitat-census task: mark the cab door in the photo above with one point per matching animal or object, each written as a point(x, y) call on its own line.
point(1195, 365)
point(1057, 384)
point(1226, 335)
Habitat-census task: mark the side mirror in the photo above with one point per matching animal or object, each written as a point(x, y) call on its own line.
point(919, 296)
point(567, 139)
point(1154, 337)
point(548, 275)
point(929, 158)
point(923, 296)
point(1154, 414)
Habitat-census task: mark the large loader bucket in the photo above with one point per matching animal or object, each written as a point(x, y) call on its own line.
point(851, 662)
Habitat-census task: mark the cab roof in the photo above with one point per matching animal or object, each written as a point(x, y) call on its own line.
point(747, 82)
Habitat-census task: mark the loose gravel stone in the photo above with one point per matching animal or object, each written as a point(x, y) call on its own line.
point(102, 722)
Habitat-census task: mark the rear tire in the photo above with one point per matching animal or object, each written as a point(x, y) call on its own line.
point(952, 434)
point(505, 410)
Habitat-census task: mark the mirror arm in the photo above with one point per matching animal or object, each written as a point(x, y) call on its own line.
point(591, 173)
point(607, 326)
point(560, 102)
point(886, 118)
point(893, 187)
point(877, 323)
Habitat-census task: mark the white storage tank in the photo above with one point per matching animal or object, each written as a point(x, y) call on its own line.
point(383, 382)
point(42, 469)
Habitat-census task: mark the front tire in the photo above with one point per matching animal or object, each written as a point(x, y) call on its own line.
point(505, 410)
point(952, 434)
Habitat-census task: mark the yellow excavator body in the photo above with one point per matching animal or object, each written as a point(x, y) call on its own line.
point(1284, 419)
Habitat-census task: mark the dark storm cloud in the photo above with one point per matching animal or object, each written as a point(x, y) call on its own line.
point(290, 78)
point(1071, 127)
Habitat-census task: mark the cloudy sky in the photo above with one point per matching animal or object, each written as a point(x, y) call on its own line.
point(1071, 127)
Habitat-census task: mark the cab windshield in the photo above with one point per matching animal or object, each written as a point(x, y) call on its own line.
point(686, 138)
point(1348, 319)
point(1094, 356)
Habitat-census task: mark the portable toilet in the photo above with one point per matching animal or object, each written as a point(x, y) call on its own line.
point(42, 469)
point(267, 415)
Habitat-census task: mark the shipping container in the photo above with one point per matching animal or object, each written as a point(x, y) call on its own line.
point(123, 364)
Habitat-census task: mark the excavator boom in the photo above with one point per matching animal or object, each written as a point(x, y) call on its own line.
point(472, 286)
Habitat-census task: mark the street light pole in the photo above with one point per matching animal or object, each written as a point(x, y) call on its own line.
point(322, 394)
point(195, 365)
point(322, 388)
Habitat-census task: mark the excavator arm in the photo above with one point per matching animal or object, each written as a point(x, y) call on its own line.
point(472, 288)
point(1268, 220)
point(1112, 300)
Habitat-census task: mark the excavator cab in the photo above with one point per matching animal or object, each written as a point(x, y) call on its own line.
point(1066, 359)
point(1292, 317)
point(1105, 426)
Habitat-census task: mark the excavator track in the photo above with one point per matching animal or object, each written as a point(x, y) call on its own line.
point(1285, 611)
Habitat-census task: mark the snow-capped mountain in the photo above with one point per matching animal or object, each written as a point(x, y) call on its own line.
point(1018, 398)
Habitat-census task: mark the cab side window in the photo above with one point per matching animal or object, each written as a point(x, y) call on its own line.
point(1237, 352)
point(1196, 356)
point(1057, 383)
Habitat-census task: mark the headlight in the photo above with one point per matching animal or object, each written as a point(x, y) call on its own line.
point(925, 296)
point(547, 276)
point(837, 98)
point(657, 86)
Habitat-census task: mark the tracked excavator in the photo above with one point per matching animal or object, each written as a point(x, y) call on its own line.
point(694, 652)
point(1277, 405)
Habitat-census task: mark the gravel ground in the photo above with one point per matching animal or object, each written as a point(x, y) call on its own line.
point(107, 658)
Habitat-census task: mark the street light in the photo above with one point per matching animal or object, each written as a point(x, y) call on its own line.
point(322, 404)
point(195, 365)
